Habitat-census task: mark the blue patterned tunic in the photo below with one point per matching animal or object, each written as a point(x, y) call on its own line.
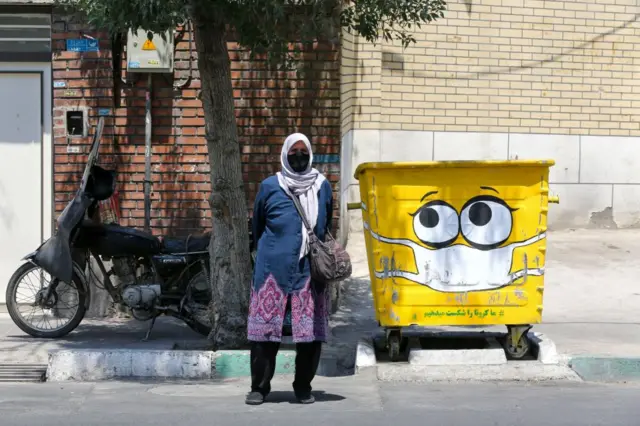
point(279, 275)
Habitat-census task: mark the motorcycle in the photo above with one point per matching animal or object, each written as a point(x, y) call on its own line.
point(156, 275)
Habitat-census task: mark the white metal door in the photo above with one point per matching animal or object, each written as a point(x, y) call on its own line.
point(20, 170)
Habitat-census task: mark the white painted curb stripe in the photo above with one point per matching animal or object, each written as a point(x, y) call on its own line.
point(94, 365)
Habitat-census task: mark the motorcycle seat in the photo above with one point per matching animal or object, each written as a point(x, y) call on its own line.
point(188, 244)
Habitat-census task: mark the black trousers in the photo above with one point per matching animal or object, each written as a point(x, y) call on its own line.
point(263, 366)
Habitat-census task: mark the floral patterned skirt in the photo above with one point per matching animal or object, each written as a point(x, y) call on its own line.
point(309, 313)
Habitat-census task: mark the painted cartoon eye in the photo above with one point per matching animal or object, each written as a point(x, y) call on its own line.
point(436, 224)
point(486, 222)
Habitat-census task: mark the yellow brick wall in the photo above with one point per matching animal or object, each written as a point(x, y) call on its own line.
point(531, 66)
point(361, 73)
point(347, 80)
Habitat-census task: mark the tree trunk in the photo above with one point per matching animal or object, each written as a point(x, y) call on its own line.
point(229, 249)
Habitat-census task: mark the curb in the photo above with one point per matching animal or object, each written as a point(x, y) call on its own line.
point(513, 371)
point(606, 369)
point(365, 355)
point(95, 365)
point(547, 351)
point(92, 365)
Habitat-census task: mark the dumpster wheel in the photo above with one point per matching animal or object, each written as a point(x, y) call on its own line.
point(393, 345)
point(517, 344)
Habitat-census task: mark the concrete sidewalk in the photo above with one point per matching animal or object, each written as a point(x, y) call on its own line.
point(592, 296)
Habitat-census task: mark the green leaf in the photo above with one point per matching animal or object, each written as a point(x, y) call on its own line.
point(267, 27)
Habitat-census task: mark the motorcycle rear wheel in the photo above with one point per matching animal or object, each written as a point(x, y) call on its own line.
point(199, 328)
point(198, 304)
point(14, 308)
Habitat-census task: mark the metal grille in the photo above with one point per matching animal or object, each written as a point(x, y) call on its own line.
point(25, 33)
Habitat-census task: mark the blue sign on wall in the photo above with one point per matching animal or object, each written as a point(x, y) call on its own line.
point(326, 158)
point(83, 45)
point(103, 111)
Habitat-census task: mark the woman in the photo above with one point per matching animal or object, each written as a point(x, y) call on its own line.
point(282, 289)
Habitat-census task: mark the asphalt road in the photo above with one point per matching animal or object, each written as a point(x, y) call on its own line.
point(342, 401)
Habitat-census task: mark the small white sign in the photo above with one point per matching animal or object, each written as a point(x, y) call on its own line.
point(59, 84)
point(73, 149)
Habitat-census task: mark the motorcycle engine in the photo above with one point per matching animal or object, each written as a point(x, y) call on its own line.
point(141, 293)
point(141, 296)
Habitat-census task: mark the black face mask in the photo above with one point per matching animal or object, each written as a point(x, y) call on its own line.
point(298, 161)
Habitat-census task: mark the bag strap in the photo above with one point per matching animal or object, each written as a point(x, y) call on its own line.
point(296, 202)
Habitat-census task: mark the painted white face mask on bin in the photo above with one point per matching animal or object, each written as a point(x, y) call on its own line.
point(452, 268)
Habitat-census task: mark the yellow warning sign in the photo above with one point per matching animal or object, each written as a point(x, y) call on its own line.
point(148, 45)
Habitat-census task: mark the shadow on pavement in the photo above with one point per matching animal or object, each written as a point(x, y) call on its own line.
point(278, 397)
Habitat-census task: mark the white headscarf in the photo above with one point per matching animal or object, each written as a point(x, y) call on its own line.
point(304, 185)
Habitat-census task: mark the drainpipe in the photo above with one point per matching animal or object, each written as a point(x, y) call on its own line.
point(147, 156)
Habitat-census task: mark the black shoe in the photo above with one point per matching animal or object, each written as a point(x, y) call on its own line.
point(254, 398)
point(306, 398)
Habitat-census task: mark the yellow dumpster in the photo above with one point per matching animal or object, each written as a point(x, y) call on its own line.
point(456, 243)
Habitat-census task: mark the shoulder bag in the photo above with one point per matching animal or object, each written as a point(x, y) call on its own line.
point(329, 261)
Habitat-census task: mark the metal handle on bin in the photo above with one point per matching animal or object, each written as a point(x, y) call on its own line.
point(354, 206)
point(554, 199)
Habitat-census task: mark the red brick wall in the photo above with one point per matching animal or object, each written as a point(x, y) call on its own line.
point(269, 106)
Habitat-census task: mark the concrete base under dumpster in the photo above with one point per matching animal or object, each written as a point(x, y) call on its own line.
point(492, 355)
point(478, 357)
point(509, 372)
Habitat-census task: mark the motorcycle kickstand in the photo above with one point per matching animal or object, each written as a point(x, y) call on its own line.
point(153, 321)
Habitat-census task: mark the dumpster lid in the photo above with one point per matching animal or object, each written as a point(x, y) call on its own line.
point(450, 164)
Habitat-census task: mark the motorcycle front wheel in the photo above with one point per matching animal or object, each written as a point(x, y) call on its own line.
point(52, 318)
